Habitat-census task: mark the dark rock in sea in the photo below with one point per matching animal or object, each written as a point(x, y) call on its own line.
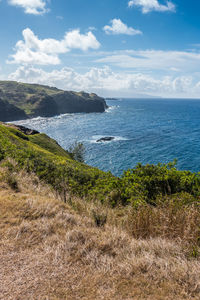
point(106, 139)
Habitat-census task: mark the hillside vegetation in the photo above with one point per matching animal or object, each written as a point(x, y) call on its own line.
point(71, 231)
point(41, 155)
point(22, 100)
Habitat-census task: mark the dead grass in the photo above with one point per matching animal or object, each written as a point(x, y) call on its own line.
point(52, 251)
point(168, 220)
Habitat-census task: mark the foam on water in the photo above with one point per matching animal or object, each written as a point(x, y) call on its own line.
point(111, 108)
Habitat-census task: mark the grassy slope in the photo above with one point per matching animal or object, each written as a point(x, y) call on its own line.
point(18, 94)
point(56, 250)
point(43, 156)
point(49, 251)
point(14, 88)
point(45, 142)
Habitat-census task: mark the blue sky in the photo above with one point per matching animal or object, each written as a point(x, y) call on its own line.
point(125, 48)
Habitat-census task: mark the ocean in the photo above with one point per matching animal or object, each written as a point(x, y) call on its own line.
point(144, 130)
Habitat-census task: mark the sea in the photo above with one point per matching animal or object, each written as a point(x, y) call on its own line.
point(148, 131)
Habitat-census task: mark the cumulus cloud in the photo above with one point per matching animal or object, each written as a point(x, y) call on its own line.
point(32, 50)
point(35, 7)
point(106, 82)
point(118, 27)
point(152, 5)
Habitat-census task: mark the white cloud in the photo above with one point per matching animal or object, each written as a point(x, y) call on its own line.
point(32, 50)
point(106, 82)
point(152, 5)
point(181, 61)
point(118, 27)
point(35, 7)
point(74, 40)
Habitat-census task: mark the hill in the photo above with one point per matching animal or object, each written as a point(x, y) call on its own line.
point(51, 250)
point(21, 101)
point(71, 231)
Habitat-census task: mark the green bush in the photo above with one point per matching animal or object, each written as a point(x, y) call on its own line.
point(77, 152)
point(150, 181)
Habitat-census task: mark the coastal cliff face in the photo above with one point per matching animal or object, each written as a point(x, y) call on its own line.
point(71, 102)
point(45, 107)
point(9, 112)
point(22, 101)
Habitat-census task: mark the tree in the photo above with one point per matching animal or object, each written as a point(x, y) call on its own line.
point(77, 151)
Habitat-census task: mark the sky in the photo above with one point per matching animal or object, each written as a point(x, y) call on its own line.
point(115, 48)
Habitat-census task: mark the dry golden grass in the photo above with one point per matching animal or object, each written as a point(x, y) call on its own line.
point(169, 219)
point(51, 251)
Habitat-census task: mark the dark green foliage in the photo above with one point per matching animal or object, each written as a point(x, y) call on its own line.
point(150, 181)
point(2, 154)
point(77, 151)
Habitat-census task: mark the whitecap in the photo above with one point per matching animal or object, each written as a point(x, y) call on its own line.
point(111, 108)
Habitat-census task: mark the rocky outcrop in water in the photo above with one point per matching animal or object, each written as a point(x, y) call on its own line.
point(106, 139)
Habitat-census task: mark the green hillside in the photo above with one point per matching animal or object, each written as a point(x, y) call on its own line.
point(32, 100)
point(41, 155)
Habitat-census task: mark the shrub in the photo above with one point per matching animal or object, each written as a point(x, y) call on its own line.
point(100, 218)
point(77, 151)
point(2, 154)
point(150, 181)
point(12, 182)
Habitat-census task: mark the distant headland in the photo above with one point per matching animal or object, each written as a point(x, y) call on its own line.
point(23, 101)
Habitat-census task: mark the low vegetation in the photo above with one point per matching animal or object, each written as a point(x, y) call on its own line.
point(51, 250)
point(70, 231)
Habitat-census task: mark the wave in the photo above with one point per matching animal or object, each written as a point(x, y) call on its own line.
point(42, 120)
point(111, 108)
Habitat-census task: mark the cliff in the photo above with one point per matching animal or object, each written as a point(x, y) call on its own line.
point(9, 112)
point(22, 101)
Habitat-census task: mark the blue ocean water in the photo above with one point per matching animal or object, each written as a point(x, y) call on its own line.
point(145, 130)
